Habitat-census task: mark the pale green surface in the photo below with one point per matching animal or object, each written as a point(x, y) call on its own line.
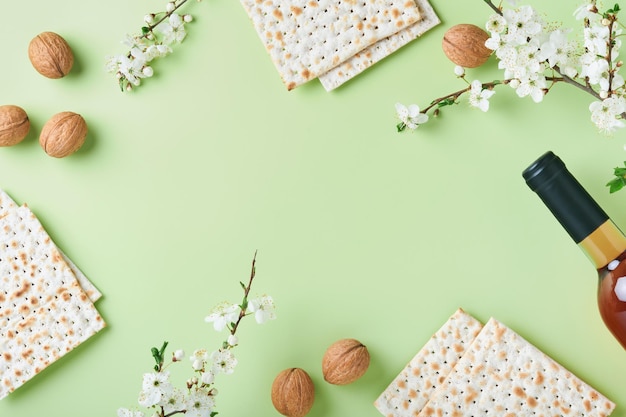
point(361, 232)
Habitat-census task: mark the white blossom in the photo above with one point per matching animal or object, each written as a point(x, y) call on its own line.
point(263, 308)
point(533, 86)
point(172, 401)
point(223, 361)
point(411, 116)
point(198, 359)
point(173, 30)
point(607, 114)
point(479, 97)
point(223, 315)
point(585, 11)
point(154, 386)
point(496, 24)
point(200, 403)
point(522, 24)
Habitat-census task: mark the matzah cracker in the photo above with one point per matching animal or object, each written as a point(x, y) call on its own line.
point(35, 342)
point(306, 38)
point(502, 374)
point(44, 312)
point(381, 49)
point(409, 391)
point(7, 203)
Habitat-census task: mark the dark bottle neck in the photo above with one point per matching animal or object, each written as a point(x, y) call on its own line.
point(579, 214)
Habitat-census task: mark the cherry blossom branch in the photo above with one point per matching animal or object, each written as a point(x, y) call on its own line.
point(494, 7)
point(147, 30)
point(246, 292)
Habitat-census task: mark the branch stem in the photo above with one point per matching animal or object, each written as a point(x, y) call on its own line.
point(242, 313)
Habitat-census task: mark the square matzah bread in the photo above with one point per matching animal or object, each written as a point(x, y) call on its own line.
point(7, 203)
point(381, 49)
point(44, 312)
point(410, 390)
point(502, 374)
point(306, 38)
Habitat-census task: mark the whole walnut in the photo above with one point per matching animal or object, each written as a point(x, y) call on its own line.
point(293, 392)
point(50, 55)
point(345, 361)
point(14, 125)
point(464, 45)
point(63, 134)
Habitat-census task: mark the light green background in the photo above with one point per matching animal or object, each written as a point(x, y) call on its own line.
point(362, 232)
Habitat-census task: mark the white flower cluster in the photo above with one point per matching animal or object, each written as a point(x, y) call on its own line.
point(198, 399)
point(155, 41)
point(534, 56)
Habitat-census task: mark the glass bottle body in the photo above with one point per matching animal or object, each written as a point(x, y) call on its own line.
point(606, 249)
point(612, 297)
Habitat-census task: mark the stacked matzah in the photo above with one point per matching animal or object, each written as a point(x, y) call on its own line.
point(335, 39)
point(46, 302)
point(467, 369)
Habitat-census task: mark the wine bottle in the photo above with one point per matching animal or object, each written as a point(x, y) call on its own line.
point(592, 230)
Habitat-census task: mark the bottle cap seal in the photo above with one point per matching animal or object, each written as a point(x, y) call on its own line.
point(566, 198)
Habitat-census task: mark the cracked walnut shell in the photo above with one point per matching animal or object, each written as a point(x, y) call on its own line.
point(50, 55)
point(345, 361)
point(63, 134)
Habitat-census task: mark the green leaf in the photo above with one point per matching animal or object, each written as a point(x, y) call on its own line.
point(242, 285)
point(145, 30)
point(615, 185)
point(619, 181)
point(162, 352)
point(400, 126)
point(446, 102)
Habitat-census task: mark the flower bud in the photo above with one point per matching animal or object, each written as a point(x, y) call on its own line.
point(147, 71)
point(459, 71)
point(233, 340)
point(605, 22)
point(149, 18)
point(178, 355)
point(197, 365)
point(207, 378)
point(187, 18)
point(171, 6)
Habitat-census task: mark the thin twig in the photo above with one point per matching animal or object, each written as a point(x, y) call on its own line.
point(494, 7)
point(246, 291)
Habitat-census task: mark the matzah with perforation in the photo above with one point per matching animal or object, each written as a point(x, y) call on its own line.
point(378, 51)
point(306, 38)
point(44, 313)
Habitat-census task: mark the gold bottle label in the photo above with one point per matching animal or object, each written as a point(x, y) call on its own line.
point(604, 244)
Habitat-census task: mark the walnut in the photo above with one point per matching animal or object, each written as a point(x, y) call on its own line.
point(51, 55)
point(293, 392)
point(345, 361)
point(63, 134)
point(464, 45)
point(14, 125)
